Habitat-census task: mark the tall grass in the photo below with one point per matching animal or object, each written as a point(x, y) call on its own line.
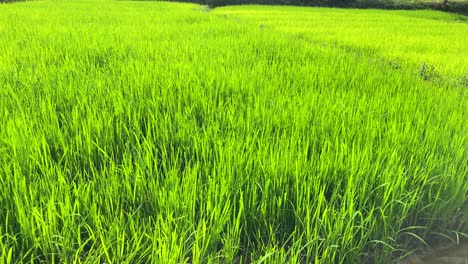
point(161, 133)
point(403, 38)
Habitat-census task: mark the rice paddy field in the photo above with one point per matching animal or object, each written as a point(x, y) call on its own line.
point(153, 132)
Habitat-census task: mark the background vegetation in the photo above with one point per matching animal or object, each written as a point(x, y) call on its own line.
point(456, 6)
point(150, 132)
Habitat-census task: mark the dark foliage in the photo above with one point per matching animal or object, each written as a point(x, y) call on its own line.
point(456, 7)
point(10, 1)
point(442, 5)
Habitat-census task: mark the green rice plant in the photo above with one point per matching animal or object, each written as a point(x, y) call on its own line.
point(153, 132)
point(414, 38)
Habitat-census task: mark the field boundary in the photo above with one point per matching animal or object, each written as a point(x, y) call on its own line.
point(452, 7)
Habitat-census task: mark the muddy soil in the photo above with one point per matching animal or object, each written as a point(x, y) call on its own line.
point(453, 255)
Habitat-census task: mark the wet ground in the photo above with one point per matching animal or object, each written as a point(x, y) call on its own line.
point(453, 255)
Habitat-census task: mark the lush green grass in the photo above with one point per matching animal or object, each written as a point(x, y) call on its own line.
point(136, 132)
point(411, 38)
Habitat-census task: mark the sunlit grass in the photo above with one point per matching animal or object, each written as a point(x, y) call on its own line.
point(148, 132)
point(414, 37)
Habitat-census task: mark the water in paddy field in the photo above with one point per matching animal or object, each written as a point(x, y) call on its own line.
point(454, 255)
